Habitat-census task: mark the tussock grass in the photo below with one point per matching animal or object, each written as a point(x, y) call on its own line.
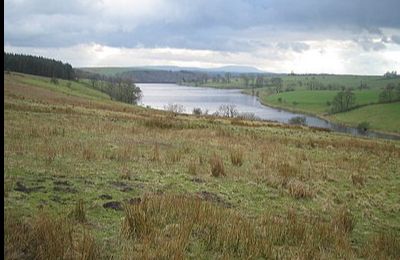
point(46, 237)
point(383, 246)
point(50, 154)
point(357, 180)
point(343, 220)
point(237, 157)
point(173, 156)
point(192, 168)
point(299, 189)
point(88, 154)
point(179, 221)
point(136, 223)
point(78, 213)
point(306, 171)
point(217, 166)
point(286, 171)
point(155, 155)
point(126, 173)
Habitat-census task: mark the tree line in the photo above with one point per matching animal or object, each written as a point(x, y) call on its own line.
point(345, 100)
point(119, 88)
point(38, 66)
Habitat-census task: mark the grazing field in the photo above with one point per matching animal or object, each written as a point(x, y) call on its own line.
point(384, 117)
point(303, 82)
point(89, 178)
point(315, 101)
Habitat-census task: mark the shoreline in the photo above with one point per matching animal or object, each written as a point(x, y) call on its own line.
point(327, 119)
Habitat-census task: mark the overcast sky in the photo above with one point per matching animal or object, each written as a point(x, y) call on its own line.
point(309, 36)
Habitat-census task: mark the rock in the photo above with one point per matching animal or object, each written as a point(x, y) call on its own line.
point(115, 205)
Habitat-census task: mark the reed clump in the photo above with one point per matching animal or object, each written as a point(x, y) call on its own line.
point(217, 166)
point(237, 157)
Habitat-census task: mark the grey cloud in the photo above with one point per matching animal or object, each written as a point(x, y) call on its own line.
point(295, 46)
point(236, 25)
point(370, 45)
point(396, 39)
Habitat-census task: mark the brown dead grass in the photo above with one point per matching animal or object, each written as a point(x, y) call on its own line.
point(46, 237)
point(217, 166)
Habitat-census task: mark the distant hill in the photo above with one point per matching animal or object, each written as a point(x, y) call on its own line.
point(170, 74)
point(224, 69)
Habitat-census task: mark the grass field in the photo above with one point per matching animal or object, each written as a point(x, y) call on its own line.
point(315, 101)
point(300, 82)
point(384, 117)
point(89, 178)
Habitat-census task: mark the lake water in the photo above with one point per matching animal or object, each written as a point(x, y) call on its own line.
point(161, 95)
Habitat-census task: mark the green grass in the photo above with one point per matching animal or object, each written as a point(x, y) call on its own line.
point(315, 101)
point(292, 194)
point(300, 82)
point(383, 117)
point(79, 89)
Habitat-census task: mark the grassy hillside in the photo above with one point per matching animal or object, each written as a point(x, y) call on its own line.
point(86, 177)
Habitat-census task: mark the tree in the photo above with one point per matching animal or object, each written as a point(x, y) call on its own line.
point(228, 110)
point(228, 77)
point(245, 80)
point(389, 74)
point(38, 66)
point(277, 82)
point(297, 120)
point(388, 94)
point(197, 111)
point(343, 101)
point(363, 85)
point(175, 108)
point(259, 81)
point(93, 80)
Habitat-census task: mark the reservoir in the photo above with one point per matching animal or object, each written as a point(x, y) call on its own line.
point(160, 95)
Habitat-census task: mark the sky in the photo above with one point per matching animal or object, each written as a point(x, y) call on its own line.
point(309, 36)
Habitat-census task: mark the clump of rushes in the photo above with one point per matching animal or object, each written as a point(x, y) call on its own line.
point(136, 223)
point(192, 168)
point(173, 156)
point(47, 237)
point(237, 157)
point(217, 166)
point(383, 245)
point(299, 189)
point(357, 180)
point(343, 220)
point(78, 212)
point(88, 154)
point(155, 157)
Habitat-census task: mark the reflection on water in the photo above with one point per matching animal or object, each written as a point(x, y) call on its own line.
point(161, 95)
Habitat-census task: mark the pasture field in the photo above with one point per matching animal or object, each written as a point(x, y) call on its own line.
point(300, 82)
point(383, 117)
point(89, 178)
point(315, 101)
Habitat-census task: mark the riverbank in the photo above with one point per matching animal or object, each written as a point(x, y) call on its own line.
point(335, 118)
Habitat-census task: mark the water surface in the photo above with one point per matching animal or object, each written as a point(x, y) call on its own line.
point(159, 96)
